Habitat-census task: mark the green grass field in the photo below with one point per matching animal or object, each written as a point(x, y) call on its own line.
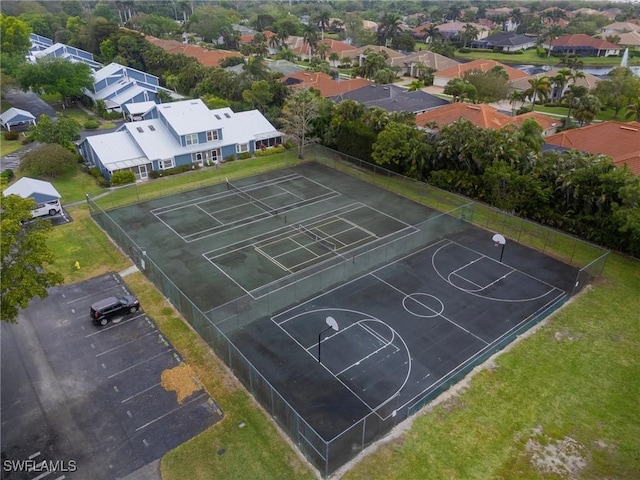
point(576, 377)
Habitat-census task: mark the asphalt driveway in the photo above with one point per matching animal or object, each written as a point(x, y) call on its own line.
point(89, 399)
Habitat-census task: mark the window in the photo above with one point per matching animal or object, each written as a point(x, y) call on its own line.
point(140, 129)
point(212, 135)
point(152, 128)
point(191, 139)
point(242, 147)
point(164, 164)
point(218, 117)
point(227, 115)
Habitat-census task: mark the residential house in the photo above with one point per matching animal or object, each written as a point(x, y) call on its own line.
point(452, 30)
point(178, 133)
point(581, 45)
point(43, 193)
point(629, 39)
point(42, 47)
point(208, 58)
point(17, 119)
point(358, 55)
point(335, 46)
point(393, 98)
point(442, 77)
point(617, 28)
point(589, 82)
point(118, 85)
point(505, 42)
point(618, 140)
point(431, 60)
point(325, 84)
point(285, 67)
point(484, 116)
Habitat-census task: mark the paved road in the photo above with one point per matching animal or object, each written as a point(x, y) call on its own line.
point(30, 102)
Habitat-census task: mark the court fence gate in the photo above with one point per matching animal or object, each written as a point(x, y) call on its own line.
point(327, 455)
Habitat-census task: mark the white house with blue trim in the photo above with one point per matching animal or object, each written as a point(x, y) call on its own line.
point(179, 133)
point(16, 118)
point(42, 47)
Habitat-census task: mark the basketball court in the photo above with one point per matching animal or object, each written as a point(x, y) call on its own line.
point(342, 307)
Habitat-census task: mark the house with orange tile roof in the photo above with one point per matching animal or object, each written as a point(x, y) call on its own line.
point(581, 45)
point(357, 55)
point(208, 58)
point(483, 115)
point(336, 46)
point(442, 77)
point(588, 81)
point(327, 86)
point(618, 140)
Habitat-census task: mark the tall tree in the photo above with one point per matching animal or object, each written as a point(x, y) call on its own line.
point(15, 36)
point(388, 28)
point(298, 114)
point(63, 131)
point(587, 109)
point(25, 254)
point(310, 39)
point(539, 88)
point(56, 75)
point(572, 95)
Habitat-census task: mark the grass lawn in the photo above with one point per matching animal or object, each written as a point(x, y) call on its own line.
point(530, 57)
point(9, 146)
point(74, 185)
point(199, 178)
point(576, 377)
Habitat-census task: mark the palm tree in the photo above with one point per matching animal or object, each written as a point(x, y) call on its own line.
point(515, 15)
point(282, 38)
point(323, 21)
point(274, 42)
point(558, 82)
point(587, 109)
point(514, 97)
point(539, 86)
point(433, 33)
point(415, 85)
point(310, 38)
point(453, 12)
point(469, 34)
point(632, 111)
point(389, 27)
point(323, 50)
point(334, 58)
point(573, 93)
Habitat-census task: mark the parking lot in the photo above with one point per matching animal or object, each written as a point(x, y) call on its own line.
point(90, 400)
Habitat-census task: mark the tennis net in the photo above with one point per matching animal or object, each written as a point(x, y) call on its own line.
point(260, 203)
point(317, 238)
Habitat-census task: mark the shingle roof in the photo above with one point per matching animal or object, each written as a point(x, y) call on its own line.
point(393, 98)
point(631, 39)
point(429, 59)
point(458, 71)
point(589, 81)
point(508, 39)
point(618, 140)
point(582, 40)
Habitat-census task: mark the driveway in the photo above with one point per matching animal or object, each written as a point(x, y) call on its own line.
point(89, 400)
point(30, 102)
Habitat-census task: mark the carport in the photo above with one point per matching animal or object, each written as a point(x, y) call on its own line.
point(39, 190)
point(16, 117)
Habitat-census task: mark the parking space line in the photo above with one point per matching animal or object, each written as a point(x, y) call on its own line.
point(139, 363)
point(204, 394)
point(127, 343)
point(114, 325)
point(139, 393)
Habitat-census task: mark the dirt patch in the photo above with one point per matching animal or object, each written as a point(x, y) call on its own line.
point(564, 334)
point(565, 458)
point(181, 380)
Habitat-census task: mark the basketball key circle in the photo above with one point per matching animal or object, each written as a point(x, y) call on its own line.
point(423, 305)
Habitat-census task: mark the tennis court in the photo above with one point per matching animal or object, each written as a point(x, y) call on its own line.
point(342, 307)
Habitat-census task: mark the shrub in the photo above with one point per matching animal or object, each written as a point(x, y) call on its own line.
point(123, 177)
point(465, 50)
point(7, 174)
point(91, 124)
point(245, 155)
point(154, 174)
point(288, 145)
point(48, 160)
point(229, 158)
point(11, 135)
point(95, 172)
point(103, 182)
point(270, 151)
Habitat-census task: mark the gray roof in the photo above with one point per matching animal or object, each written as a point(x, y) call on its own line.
point(15, 112)
point(393, 98)
point(507, 39)
point(39, 190)
point(284, 67)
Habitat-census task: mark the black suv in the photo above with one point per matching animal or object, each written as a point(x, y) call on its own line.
point(104, 310)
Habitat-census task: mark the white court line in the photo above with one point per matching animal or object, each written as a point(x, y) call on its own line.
point(490, 284)
point(481, 352)
point(228, 276)
point(290, 192)
point(223, 193)
point(126, 343)
point(140, 392)
point(207, 213)
point(114, 325)
point(268, 257)
point(447, 319)
point(296, 249)
point(276, 232)
point(171, 411)
point(455, 274)
point(139, 363)
point(237, 224)
point(327, 236)
point(353, 280)
point(355, 225)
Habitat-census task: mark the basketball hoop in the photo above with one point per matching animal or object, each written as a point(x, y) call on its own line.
point(499, 240)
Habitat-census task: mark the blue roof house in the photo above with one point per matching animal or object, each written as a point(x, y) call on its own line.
point(178, 133)
point(16, 118)
point(118, 85)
